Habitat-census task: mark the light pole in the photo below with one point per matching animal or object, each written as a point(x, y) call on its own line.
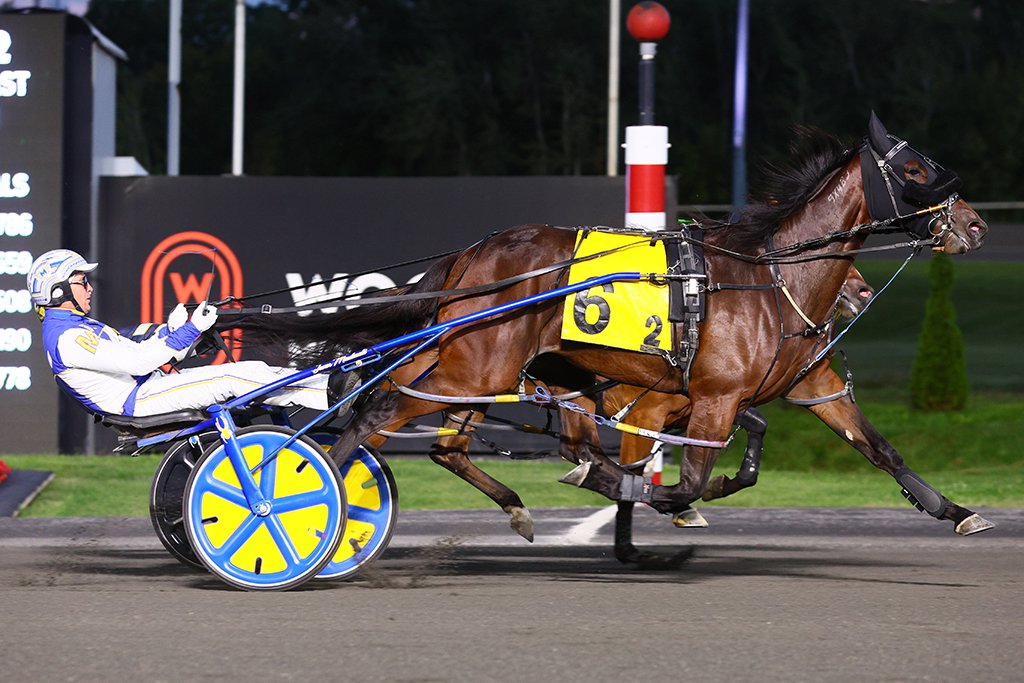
point(739, 112)
point(173, 85)
point(237, 136)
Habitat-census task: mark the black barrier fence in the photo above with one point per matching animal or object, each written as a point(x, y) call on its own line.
point(165, 240)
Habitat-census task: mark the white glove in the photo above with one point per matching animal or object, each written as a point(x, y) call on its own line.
point(204, 317)
point(183, 354)
point(177, 318)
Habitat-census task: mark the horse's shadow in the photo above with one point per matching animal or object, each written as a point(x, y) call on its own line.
point(452, 563)
point(693, 564)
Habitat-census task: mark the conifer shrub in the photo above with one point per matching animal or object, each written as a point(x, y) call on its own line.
point(938, 377)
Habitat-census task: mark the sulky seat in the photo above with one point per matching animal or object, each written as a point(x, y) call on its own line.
point(131, 428)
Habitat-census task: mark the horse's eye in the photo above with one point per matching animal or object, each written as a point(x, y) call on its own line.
point(912, 170)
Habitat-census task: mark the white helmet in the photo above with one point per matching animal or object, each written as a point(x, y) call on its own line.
point(49, 274)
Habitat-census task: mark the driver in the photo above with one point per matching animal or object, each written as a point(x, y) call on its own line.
point(115, 374)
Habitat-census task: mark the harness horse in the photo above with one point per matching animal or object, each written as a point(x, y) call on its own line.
point(655, 410)
point(777, 268)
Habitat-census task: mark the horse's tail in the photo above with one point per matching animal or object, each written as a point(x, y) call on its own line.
point(313, 339)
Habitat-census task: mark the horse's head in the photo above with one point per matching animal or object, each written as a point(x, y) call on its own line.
point(906, 187)
point(855, 294)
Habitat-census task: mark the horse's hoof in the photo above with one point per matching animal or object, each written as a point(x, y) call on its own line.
point(576, 475)
point(627, 554)
point(715, 489)
point(521, 521)
point(689, 519)
point(973, 525)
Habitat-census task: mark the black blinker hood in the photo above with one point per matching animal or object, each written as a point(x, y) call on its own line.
point(947, 183)
point(908, 196)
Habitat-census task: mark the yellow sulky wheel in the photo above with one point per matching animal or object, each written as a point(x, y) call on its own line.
point(372, 511)
point(295, 538)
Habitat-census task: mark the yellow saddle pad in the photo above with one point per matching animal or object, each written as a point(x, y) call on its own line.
point(622, 315)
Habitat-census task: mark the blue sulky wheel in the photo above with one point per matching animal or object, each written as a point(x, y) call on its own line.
point(283, 548)
point(372, 511)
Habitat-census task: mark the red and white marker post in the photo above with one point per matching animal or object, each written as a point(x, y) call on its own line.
point(646, 144)
point(647, 148)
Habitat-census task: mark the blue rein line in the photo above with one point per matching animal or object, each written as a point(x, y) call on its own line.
point(828, 347)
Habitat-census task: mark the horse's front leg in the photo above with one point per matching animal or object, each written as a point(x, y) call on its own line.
point(710, 420)
point(452, 453)
point(845, 418)
point(755, 425)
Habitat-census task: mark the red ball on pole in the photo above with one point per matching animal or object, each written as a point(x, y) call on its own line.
point(648, 22)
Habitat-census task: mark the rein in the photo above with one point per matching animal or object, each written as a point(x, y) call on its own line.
point(867, 305)
point(464, 291)
point(769, 257)
point(883, 226)
point(346, 276)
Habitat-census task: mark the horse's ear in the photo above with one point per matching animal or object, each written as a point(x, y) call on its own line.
point(878, 136)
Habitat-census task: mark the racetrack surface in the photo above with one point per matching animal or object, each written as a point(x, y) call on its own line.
point(768, 595)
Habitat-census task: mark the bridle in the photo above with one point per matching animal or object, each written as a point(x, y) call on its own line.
point(923, 209)
point(925, 212)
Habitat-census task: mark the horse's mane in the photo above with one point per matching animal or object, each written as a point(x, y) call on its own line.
point(784, 188)
point(306, 341)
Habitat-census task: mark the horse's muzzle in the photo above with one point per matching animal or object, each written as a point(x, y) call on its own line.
point(966, 233)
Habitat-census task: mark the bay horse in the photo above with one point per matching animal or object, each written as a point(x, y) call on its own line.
point(824, 204)
point(650, 409)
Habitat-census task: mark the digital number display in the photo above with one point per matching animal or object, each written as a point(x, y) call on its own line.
point(32, 90)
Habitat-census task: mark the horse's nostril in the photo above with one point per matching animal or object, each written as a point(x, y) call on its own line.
point(865, 293)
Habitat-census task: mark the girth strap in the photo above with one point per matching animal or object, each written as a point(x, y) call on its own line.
point(686, 294)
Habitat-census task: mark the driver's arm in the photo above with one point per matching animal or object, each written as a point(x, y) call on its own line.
point(108, 351)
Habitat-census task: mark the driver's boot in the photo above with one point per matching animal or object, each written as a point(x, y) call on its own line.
point(339, 385)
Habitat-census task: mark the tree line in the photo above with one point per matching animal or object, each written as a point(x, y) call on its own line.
point(518, 87)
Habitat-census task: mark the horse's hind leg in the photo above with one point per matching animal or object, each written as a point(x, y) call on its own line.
point(845, 418)
point(577, 432)
point(634, 449)
point(452, 453)
point(382, 410)
point(755, 425)
point(580, 444)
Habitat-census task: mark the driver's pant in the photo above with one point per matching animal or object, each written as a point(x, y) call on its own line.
point(199, 388)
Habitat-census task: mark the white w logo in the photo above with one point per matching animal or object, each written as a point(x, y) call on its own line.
point(317, 290)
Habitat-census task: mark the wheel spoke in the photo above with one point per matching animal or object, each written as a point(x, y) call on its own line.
point(369, 515)
point(299, 501)
point(228, 492)
point(280, 536)
point(237, 539)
